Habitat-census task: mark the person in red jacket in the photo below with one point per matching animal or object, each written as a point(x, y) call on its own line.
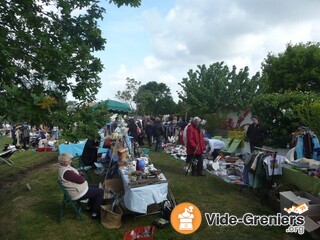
point(195, 147)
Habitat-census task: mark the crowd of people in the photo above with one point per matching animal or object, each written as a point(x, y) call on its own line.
point(155, 130)
point(25, 136)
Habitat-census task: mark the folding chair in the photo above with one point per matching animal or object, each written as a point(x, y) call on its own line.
point(76, 205)
point(232, 147)
point(80, 165)
point(227, 143)
point(217, 137)
point(5, 156)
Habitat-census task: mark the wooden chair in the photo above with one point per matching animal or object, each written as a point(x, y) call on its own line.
point(76, 205)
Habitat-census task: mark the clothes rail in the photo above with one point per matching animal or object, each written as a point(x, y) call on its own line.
point(265, 150)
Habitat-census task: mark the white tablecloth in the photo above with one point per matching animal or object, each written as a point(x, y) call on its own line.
point(138, 198)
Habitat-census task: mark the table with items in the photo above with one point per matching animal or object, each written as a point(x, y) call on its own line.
point(143, 187)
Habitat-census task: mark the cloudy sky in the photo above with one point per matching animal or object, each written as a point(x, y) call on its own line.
point(162, 39)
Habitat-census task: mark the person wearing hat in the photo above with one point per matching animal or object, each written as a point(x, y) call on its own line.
point(256, 134)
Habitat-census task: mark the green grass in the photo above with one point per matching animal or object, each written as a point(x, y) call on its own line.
point(32, 214)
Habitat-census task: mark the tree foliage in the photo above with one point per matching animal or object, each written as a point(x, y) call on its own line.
point(296, 69)
point(309, 115)
point(283, 113)
point(80, 122)
point(216, 88)
point(132, 3)
point(46, 52)
point(128, 94)
point(46, 48)
point(154, 98)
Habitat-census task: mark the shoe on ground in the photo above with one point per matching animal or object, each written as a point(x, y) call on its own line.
point(185, 168)
point(95, 216)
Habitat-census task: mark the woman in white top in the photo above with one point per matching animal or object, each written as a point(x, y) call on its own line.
point(213, 146)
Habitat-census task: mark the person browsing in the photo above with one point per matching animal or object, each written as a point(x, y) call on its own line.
point(213, 147)
point(195, 146)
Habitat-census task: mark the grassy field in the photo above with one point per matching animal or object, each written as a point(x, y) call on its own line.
point(32, 214)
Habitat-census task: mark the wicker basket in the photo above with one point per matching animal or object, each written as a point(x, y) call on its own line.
point(111, 219)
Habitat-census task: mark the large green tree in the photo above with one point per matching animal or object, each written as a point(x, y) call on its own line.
point(296, 69)
point(154, 98)
point(283, 113)
point(46, 52)
point(289, 87)
point(215, 88)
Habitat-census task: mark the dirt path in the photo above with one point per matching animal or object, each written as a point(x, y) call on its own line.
point(46, 165)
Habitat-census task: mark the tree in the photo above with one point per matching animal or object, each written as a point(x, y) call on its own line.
point(296, 69)
point(49, 49)
point(283, 113)
point(216, 88)
point(130, 91)
point(154, 98)
point(132, 3)
point(80, 122)
point(47, 52)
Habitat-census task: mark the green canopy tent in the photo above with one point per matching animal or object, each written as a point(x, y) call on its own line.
point(115, 106)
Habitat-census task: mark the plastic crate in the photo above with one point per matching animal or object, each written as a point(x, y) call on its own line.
point(140, 233)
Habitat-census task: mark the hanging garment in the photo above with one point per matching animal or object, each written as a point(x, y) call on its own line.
point(306, 143)
point(274, 166)
point(260, 173)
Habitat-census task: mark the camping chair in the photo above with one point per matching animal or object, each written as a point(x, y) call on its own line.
point(217, 137)
point(78, 164)
point(5, 156)
point(76, 205)
point(232, 147)
point(227, 142)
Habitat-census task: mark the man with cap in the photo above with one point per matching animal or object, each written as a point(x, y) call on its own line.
point(256, 134)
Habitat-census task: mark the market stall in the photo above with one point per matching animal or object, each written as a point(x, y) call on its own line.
point(142, 185)
point(140, 194)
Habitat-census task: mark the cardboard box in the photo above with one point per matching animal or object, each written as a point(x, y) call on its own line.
point(289, 198)
point(312, 223)
point(110, 186)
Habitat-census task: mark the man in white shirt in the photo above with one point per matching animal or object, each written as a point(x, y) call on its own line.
point(213, 146)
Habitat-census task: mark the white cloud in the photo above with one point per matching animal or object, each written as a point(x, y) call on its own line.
point(188, 33)
point(150, 62)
